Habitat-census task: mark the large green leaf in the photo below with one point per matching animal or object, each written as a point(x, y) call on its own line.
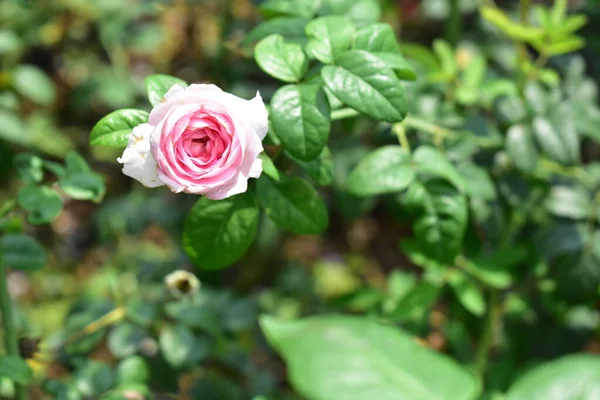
point(22, 252)
point(157, 86)
point(33, 83)
point(364, 82)
point(557, 136)
point(218, 233)
point(353, 358)
point(281, 60)
point(293, 204)
point(385, 170)
point(574, 377)
point(441, 226)
point(42, 203)
point(300, 116)
point(114, 129)
point(329, 37)
point(431, 162)
point(380, 40)
point(520, 146)
point(16, 369)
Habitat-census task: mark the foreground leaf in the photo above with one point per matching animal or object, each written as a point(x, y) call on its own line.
point(114, 129)
point(329, 37)
point(352, 358)
point(16, 369)
point(293, 204)
point(574, 377)
point(218, 233)
point(365, 82)
point(385, 170)
point(300, 116)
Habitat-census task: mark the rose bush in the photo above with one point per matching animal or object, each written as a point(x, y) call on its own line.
point(199, 140)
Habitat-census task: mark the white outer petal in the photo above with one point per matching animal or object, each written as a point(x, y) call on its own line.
point(137, 159)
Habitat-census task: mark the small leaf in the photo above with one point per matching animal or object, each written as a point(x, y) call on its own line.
point(301, 8)
point(158, 85)
point(180, 347)
point(569, 202)
point(16, 369)
point(380, 40)
point(385, 170)
point(29, 167)
point(431, 161)
point(22, 252)
point(329, 37)
point(133, 369)
point(217, 233)
point(114, 129)
point(365, 83)
point(572, 377)
point(521, 148)
point(83, 186)
point(361, 12)
point(383, 361)
point(416, 303)
point(557, 136)
point(469, 294)
point(269, 167)
point(286, 62)
point(42, 203)
point(33, 83)
point(300, 116)
point(293, 204)
point(513, 29)
point(290, 28)
point(566, 45)
point(445, 54)
point(94, 378)
point(124, 340)
point(478, 181)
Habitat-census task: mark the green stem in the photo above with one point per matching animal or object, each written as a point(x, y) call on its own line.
point(487, 338)
point(454, 23)
point(343, 113)
point(400, 132)
point(524, 7)
point(8, 322)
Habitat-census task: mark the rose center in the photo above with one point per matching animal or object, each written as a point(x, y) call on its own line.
point(199, 146)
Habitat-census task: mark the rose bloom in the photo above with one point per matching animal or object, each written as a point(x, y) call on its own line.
point(199, 140)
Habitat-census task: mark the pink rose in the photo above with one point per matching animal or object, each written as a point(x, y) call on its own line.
point(199, 140)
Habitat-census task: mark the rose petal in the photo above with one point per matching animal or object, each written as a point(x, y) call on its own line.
point(137, 159)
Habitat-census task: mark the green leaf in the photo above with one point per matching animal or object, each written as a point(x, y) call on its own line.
point(364, 82)
point(441, 226)
point(180, 347)
point(416, 303)
point(329, 37)
point(557, 136)
point(573, 377)
point(83, 186)
point(512, 29)
point(114, 129)
point(286, 62)
point(16, 369)
point(521, 148)
point(94, 378)
point(13, 130)
point(445, 54)
point(125, 339)
point(269, 167)
point(158, 85)
point(293, 204)
point(42, 203)
point(290, 28)
point(566, 45)
point(22, 252)
point(468, 293)
point(33, 83)
point(320, 169)
point(29, 167)
point(361, 12)
point(380, 40)
point(300, 116)
point(382, 361)
point(474, 73)
point(217, 233)
point(133, 369)
point(384, 170)
point(491, 269)
point(478, 181)
point(569, 202)
point(431, 162)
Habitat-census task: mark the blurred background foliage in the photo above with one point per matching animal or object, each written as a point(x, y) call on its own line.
point(100, 320)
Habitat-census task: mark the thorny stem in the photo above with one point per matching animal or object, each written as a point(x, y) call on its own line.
point(8, 322)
